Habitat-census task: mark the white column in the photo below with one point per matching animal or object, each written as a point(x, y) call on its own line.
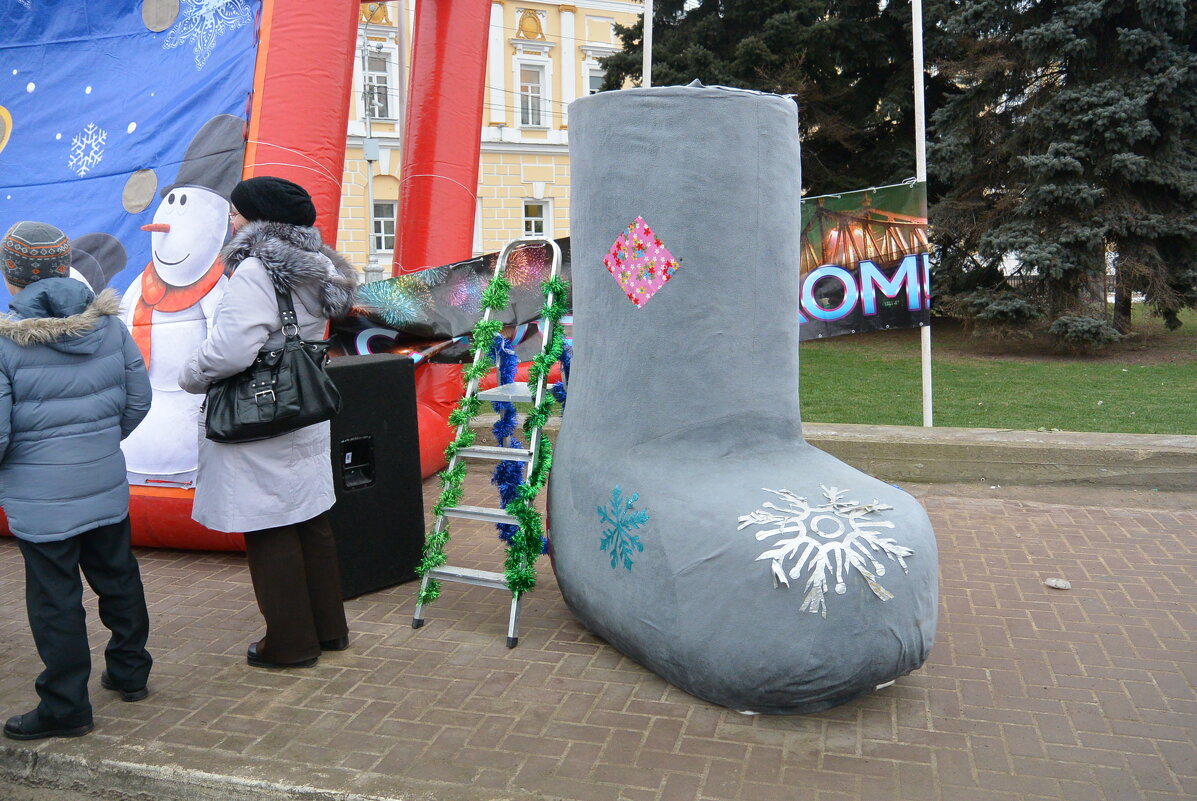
point(400, 36)
point(497, 56)
point(569, 64)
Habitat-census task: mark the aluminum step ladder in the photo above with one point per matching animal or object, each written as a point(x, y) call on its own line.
point(514, 393)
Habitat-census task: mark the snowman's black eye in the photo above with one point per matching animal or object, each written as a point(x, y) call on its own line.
point(170, 198)
point(182, 200)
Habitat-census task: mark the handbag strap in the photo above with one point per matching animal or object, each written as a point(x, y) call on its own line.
point(286, 311)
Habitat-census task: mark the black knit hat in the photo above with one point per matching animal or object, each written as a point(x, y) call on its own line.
point(32, 251)
point(273, 199)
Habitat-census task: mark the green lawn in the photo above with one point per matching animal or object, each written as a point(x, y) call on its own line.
point(1148, 385)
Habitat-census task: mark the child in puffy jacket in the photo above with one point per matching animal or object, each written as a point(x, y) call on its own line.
point(72, 386)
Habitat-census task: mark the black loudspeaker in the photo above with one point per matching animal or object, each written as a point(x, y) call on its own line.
point(378, 519)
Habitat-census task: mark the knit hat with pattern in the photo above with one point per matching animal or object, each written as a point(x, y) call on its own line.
point(32, 251)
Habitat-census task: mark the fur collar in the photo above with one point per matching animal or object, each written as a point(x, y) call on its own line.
point(296, 257)
point(44, 330)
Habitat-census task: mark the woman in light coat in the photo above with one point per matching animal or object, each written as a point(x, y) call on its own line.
point(277, 491)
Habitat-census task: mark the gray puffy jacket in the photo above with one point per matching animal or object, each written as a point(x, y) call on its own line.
point(72, 386)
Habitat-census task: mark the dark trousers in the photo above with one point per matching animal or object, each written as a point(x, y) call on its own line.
point(54, 601)
point(297, 581)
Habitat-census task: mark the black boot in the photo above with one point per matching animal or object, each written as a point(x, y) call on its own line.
point(251, 656)
point(31, 726)
point(126, 695)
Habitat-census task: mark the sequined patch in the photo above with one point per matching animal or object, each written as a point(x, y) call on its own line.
point(640, 263)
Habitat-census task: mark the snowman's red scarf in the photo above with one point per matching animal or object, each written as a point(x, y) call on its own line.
point(157, 295)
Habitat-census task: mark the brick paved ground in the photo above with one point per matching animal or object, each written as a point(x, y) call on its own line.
point(1030, 693)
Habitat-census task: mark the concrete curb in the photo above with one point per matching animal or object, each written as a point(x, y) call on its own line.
point(999, 456)
point(176, 775)
point(118, 779)
point(1055, 458)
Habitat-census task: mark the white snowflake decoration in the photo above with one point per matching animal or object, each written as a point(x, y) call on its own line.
point(87, 149)
point(202, 22)
point(830, 537)
point(26, 3)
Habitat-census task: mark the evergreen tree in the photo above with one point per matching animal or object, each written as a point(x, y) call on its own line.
point(1068, 143)
point(848, 62)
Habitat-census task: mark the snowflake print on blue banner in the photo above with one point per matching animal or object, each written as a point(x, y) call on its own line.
point(202, 22)
point(622, 521)
point(822, 538)
point(87, 149)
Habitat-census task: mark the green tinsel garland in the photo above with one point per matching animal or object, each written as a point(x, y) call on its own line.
point(526, 545)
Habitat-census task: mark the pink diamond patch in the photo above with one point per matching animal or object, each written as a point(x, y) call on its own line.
point(640, 263)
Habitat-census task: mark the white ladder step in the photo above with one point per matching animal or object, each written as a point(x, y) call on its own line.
point(467, 575)
point(496, 453)
point(508, 393)
point(483, 513)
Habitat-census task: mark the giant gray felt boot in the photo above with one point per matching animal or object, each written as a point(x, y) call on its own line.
point(692, 526)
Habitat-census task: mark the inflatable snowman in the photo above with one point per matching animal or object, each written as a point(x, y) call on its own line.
point(169, 306)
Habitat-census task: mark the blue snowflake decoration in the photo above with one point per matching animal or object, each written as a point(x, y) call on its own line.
point(202, 22)
point(622, 521)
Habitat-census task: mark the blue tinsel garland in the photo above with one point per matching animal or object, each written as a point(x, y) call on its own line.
point(508, 475)
point(558, 389)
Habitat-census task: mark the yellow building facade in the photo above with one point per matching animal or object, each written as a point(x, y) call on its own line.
point(541, 56)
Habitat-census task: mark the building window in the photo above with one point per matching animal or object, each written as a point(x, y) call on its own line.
point(378, 87)
point(532, 99)
point(383, 229)
point(536, 219)
point(595, 77)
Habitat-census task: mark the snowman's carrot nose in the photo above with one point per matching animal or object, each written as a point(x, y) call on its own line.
point(160, 228)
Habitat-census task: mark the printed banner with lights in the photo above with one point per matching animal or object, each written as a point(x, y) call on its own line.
point(865, 262)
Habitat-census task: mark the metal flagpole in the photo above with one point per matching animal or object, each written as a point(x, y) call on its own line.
point(920, 174)
point(648, 44)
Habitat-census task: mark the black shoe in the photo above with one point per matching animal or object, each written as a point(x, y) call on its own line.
point(126, 695)
point(251, 656)
point(31, 727)
point(339, 644)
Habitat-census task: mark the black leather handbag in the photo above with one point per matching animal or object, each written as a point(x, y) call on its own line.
point(284, 389)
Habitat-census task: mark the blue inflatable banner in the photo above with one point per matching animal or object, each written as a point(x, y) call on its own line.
point(100, 105)
point(123, 124)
